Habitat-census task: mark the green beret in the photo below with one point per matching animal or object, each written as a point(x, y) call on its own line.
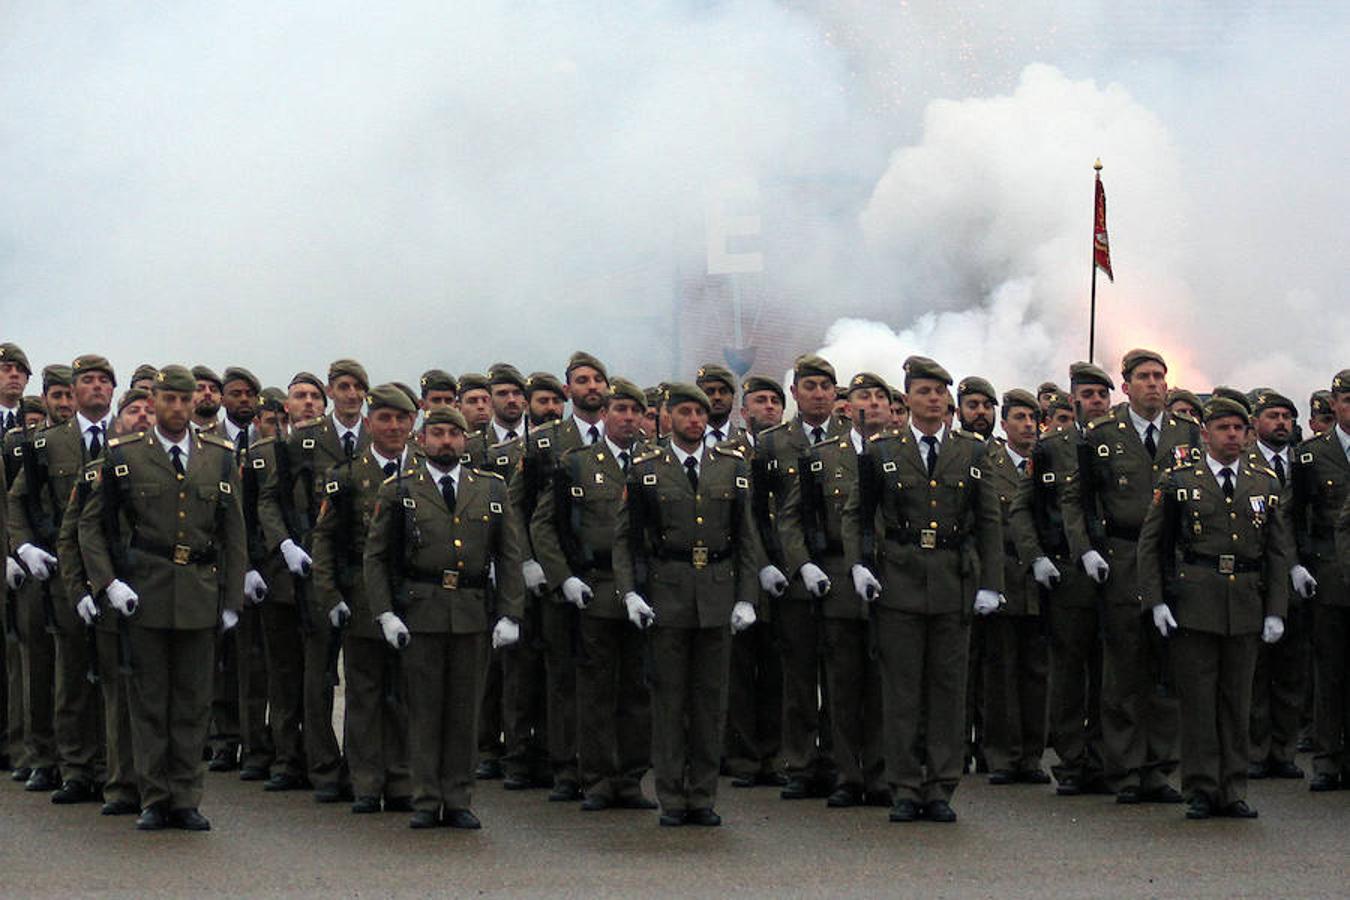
point(446, 415)
point(1048, 387)
point(1233, 394)
point(175, 378)
point(144, 371)
point(1270, 399)
point(10, 353)
point(203, 373)
point(1059, 400)
point(57, 374)
point(974, 384)
point(808, 364)
point(1135, 357)
point(681, 392)
point(391, 396)
point(408, 391)
point(351, 367)
point(841, 392)
point(130, 396)
point(502, 373)
point(623, 389)
point(1220, 406)
point(92, 362)
point(655, 395)
point(756, 383)
point(239, 373)
point(1020, 397)
point(273, 398)
point(582, 358)
point(1087, 373)
point(865, 380)
point(544, 381)
point(1319, 404)
point(472, 381)
point(1341, 383)
point(438, 380)
point(31, 403)
point(713, 372)
point(307, 378)
point(923, 367)
point(1184, 396)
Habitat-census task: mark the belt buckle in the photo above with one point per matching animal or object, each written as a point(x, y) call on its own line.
point(450, 580)
point(928, 539)
point(700, 557)
point(1227, 564)
point(182, 554)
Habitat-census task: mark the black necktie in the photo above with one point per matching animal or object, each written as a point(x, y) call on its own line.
point(931, 442)
point(716, 435)
point(817, 434)
point(691, 470)
point(623, 461)
point(1150, 442)
point(510, 435)
point(176, 454)
point(349, 444)
point(1022, 467)
point(1279, 468)
point(390, 469)
point(1227, 475)
point(592, 435)
point(10, 421)
point(448, 491)
point(95, 444)
point(241, 442)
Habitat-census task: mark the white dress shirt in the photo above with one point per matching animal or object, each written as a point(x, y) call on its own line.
point(584, 429)
point(919, 438)
point(184, 445)
point(681, 456)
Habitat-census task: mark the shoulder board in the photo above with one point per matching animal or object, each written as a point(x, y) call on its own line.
point(123, 439)
point(779, 427)
point(546, 426)
point(1100, 421)
point(648, 456)
point(725, 450)
point(969, 435)
point(213, 438)
point(1183, 417)
point(486, 474)
point(262, 442)
point(311, 423)
point(502, 445)
point(53, 426)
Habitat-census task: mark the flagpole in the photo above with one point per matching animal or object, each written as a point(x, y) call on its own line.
point(1092, 314)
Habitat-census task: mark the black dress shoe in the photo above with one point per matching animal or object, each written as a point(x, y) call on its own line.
point(1068, 787)
point(879, 797)
point(797, 788)
point(1129, 795)
point(189, 820)
point(73, 792)
point(424, 818)
point(672, 819)
point(252, 773)
point(331, 793)
point(364, 805)
point(284, 781)
point(939, 811)
point(635, 801)
point(704, 816)
point(844, 797)
point(1257, 770)
point(1002, 776)
point(565, 792)
point(1239, 809)
point(518, 782)
point(744, 781)
point(771, 779)
point(595, 803)
point(488, 770)
point(398, 804)
point(460, 818)
point(152, 818)
point(1033, 776)
point(223, 760)
point(1198, 808)
point(1285, 769)
point(1164, 794)
point(905, 811)
point(1324, 781)
point(44, 779)
point(119, 808)
point(21, 773)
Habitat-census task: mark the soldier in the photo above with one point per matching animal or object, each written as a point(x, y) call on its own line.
point(163, 521)
point(1321, 414)
point(1016, 660)
point(207, 398)
point(785, 449)
point(1321, 477)
point(573, 531)
point(1213, 567)
point(58, 396)
point(754, 734)
point(899, 411)
point(719, 384)
point(1181, 402)
point(475, 400)
point(271, 419)
point(841, 408)
point(1044, 393)
point(14, 374)
point(55, 462)
point(812, 535)
point(976, 405)
point(439, 533)
point(1059, 415)
point(144, 377)
point(685, 558)
point(546, 397)
point(938, 545)
point(651, 419)
point(288, 505)
point(439, 388)
point(1124, 454)
point(1037, 522)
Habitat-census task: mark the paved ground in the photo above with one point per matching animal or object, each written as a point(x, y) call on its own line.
point(1010, 841)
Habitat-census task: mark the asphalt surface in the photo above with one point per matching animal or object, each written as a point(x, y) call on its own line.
point(1010, 841)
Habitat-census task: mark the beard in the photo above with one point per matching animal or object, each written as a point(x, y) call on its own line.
point(446, 459)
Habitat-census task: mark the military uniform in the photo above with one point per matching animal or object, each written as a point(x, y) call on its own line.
point(1220, 564)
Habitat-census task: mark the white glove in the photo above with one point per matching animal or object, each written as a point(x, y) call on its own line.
point(535, 581)
point(1096, 567)
point(395, 632)
point(122, 598)
point(577, 592)
point(1162, 619)
point(816, 581)
point(773, 581)
point(1273, 629)
point(505, 633)
point(1045, 572)
point(339, 614)
point(987, 601)
point(255, 589)
point(14, 574)
point(639, 613)
point(228, 619)
point(742, 616)
point(40, 563)
point(865, 583)
point(1304, 584)
point(297, 560)
point(87, 609)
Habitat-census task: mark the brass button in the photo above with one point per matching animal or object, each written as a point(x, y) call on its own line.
point(182, 515)
point(458, 542)
point(698, 520)
point(932, 524)
point(932, 503)
point(932, 484)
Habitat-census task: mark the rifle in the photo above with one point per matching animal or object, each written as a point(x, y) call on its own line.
point(113, 504)
point(44, 527)
point(761, 488)
point(83, 487)
point(813, 502)
point(402, 524)
point(290, 518)
point(345, 509)
point(640, 526)
point(868, 503)
point(1171, 579)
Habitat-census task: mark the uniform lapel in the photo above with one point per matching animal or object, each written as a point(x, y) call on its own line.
point(909, 449)
point(677, 472)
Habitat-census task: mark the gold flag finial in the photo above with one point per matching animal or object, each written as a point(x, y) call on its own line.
point(1098, 164)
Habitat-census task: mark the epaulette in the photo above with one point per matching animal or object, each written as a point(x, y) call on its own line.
point(546, 426)
point(213, 438)
point(486, 474)
point(654, 453)
point(1101, 420)
point(1184, 417)
point(502, 445)
point(728, 451)
point(970, 435)
point(310, 423)
point(123, 439)
point(779, 427)
point(407, 473)
point(262, 442)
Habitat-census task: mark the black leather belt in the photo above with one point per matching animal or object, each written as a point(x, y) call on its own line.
point(448, 579)
point(1224, 564)
point(926, 539)
point(178, 554)
point(698, 557)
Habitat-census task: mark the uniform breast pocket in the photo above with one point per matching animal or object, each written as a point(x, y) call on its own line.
point(146, 491)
